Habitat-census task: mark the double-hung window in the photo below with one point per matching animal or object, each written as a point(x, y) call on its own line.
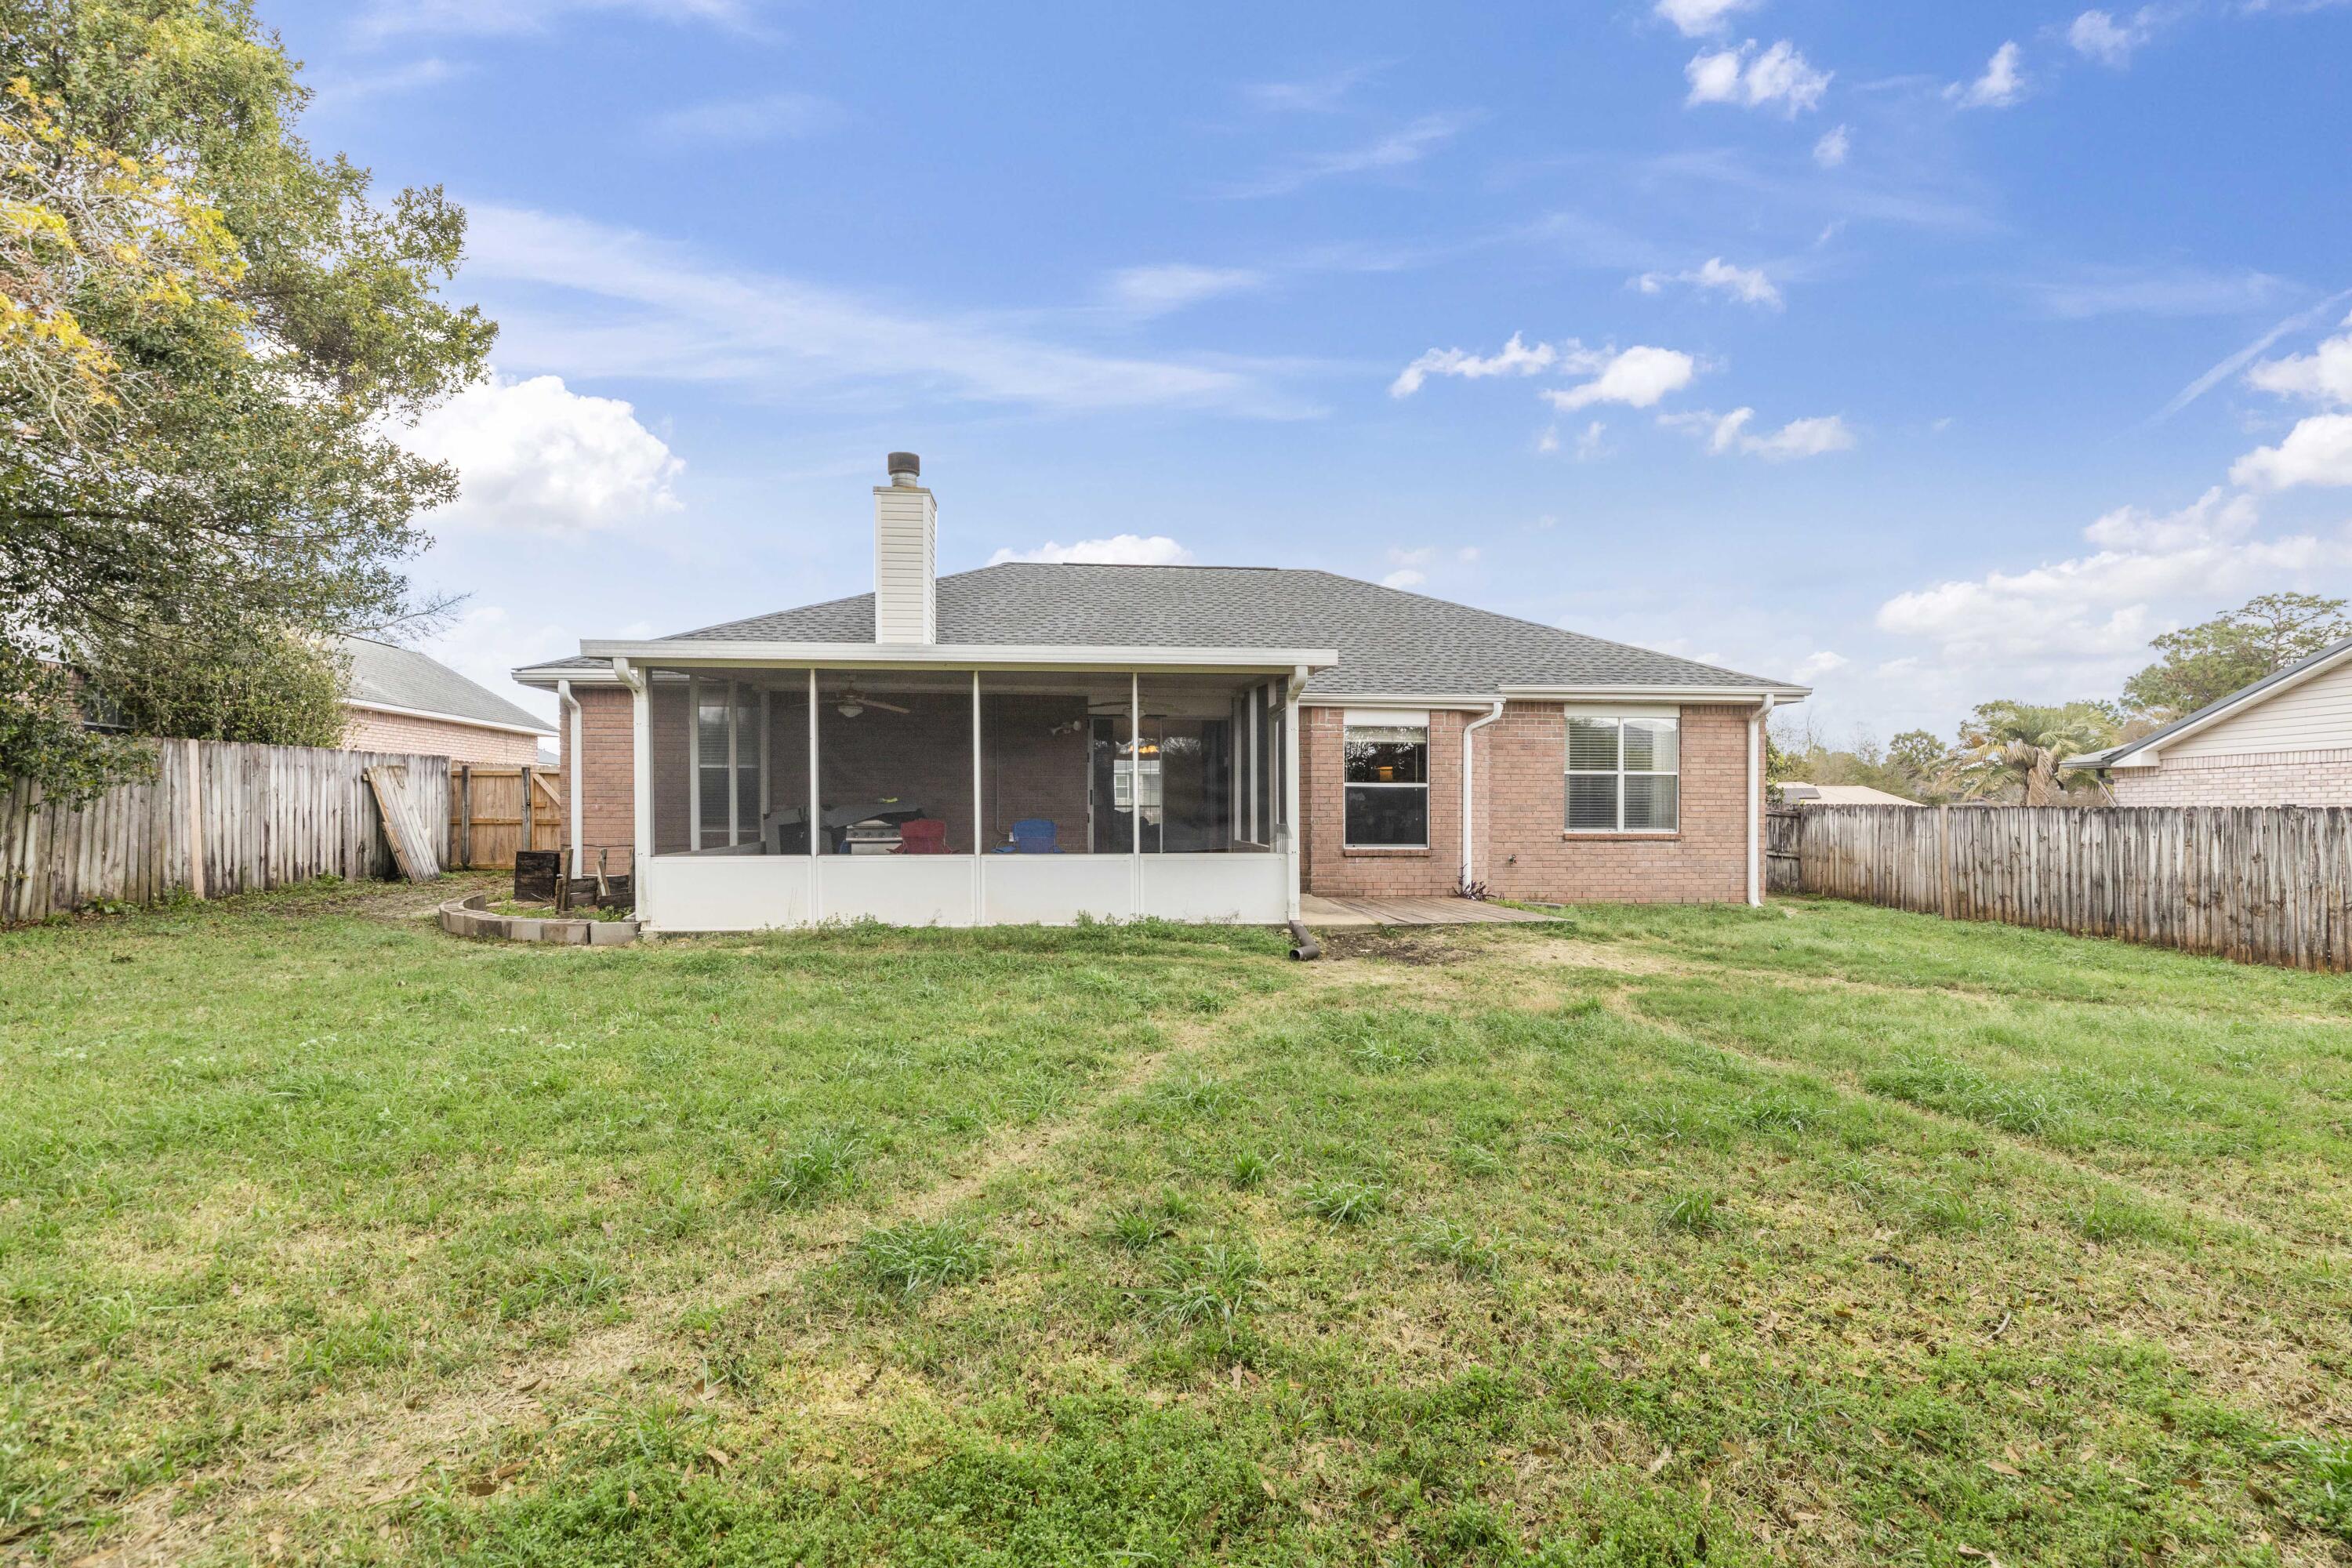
point(1387, 782)
point(730, 745)
point(1624, 772)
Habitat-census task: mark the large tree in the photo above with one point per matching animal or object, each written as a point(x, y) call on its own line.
point(209, 338)
point(2206, 662)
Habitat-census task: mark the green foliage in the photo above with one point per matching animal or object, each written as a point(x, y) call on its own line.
point(217, 679)
point(212, 337)
point(1458, 1248)
point(915, 1258)
point(41, 733)
point(819, 1167)
point(1343, 1201)
point(2206, 662)
point(2011, 752)
point(1693, 1212)
point(1209, 1286)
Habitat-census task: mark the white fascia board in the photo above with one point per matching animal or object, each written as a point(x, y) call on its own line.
point(961, 656)
point(1415, 700)
point(1657, 693)
point(450, 718)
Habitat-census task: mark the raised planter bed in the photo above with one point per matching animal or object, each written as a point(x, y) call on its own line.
point(472, 916)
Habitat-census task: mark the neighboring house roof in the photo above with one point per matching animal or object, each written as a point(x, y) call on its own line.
point(2238, 701)
point(405, 681)
point(1390, 643)
point(1801, 793)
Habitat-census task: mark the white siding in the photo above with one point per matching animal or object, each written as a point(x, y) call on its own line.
point(906, 564)
point(2314, 716)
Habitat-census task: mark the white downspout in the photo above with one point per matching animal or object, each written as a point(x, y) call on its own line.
point(1469, 783)
point(1755, 804)
point(1293, 822)
point(568, 703)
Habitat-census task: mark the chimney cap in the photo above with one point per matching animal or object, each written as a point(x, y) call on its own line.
point(905, 463)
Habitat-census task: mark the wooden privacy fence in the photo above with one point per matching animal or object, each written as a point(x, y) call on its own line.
point(216, 817)
point(2259, 884)
point(494, 811)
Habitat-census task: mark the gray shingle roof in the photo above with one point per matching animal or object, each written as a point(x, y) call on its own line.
point(402, 678)
point(1390, 643)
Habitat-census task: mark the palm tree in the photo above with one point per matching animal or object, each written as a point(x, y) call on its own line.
point(2018, 746)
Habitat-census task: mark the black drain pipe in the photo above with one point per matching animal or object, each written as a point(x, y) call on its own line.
point(1302, 945)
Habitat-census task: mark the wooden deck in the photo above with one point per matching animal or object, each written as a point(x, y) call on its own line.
point(1340, 913)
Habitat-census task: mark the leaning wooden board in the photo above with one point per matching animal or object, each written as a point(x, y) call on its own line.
point(412, 845)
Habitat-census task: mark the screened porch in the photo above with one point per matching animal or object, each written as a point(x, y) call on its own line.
point(790, 795)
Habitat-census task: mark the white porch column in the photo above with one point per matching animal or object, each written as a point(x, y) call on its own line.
point(1135, 782)
point(979, 835)
point(815, 813)
point(1293, 824)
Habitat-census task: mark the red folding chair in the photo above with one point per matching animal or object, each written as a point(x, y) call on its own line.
point(922, 835)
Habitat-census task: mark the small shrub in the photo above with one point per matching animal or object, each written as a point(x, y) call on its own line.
point(823, 1165)
point(1693, 1212)
point(914, 1258)
point(1209, 1286)
point(1459, 1248)
point(1343, 1202)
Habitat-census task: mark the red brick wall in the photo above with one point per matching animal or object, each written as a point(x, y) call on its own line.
point(366, 729)
point(608, 785)
point(1523, 851)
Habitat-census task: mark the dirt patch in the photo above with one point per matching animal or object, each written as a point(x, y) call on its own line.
point(1417, 945)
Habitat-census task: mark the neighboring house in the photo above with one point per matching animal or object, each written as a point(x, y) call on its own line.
point(2286, 740)
point(1030, 743)
point(400, 700)
point(1800, 793)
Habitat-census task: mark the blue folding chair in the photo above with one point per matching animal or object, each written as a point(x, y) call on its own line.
point(1034, 835)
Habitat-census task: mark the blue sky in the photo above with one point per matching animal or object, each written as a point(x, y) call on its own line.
point(1927, 354)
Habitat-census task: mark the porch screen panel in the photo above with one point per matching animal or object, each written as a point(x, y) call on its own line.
point(893, 761)
point(1054, 763)
point(718, 789)
point(1188, 764)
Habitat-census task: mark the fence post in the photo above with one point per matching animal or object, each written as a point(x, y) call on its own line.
point(465, 813)
point(195, 819)
point(530, 840)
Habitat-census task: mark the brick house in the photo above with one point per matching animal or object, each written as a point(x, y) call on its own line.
point(1036, 742)
point(2285, 740)
point(397, 699)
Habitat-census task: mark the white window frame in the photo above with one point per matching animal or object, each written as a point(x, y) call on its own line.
point(736, 763)
point(1618, 716)
point(1377, 719)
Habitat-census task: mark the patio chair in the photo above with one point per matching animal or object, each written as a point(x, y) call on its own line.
point(1034, 835)
point(923, 836)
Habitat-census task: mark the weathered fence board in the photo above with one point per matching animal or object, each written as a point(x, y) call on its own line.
point(216, 817)
point(2258, 884)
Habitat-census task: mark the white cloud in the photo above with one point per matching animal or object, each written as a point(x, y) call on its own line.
point(2324, 375)
point(1639, 378)
point(1746, 284)
point(1399, 149)
point(333, 92)
point(657, 310)
point(1778, 77)
point(1119, 550)
point(1467, 554)
point(1592, 443)
point(1819, 663)
point(1830, 151)
point(2154, 290)
point(2317, 451)
point(2000, 85)
point(1729, 432)
point(1156, 290)
point(382, 18)
point(1517, 358)
point(1699, 19)
point(1405, 577)
point(2096, 35)
point(773, 117)
point(535, 457)
point(2088, 618)
point(1312, 95)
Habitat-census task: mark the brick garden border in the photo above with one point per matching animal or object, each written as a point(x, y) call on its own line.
point(470, 916)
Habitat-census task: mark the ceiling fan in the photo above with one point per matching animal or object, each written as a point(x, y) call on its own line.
point(850, 703)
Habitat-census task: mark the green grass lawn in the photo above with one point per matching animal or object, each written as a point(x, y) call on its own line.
point(1821, 1234)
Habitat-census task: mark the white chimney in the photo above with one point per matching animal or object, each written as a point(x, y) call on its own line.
point(905, 556)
